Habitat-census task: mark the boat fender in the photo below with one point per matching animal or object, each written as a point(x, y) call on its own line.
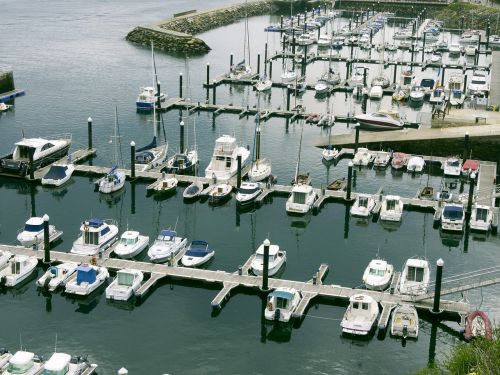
point(270, 306)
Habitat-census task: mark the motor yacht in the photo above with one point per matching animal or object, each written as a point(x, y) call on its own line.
point(363, 205)
point(362, 157)
point(32, 232)
point(361, 315)
point(277, 259)
point(24, 363)
point(224, 160)
point(479, 83)
point(18, 269)
point(415, 277)
point(381, 120)
point(452, 167)
point(131, 244)
point(453, 217)
point(399, 160)
point(378, 275)
point(248, 192)
point(301, 199)
point(415, 164)
point(124, 285)
point(96, 236)
point(382, 159)
point(197, 254)
point(166, 245)
point(147, 98)
point(481, 218)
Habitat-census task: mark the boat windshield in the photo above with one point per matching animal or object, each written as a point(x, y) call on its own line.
point(125, 278)
point(299, 197)
point(453, 163)
point(415, 274)
point(128, 241)
point(391, 204)
point(363, 202)
point(64, 371)
point(376, 272)
point(19, 368)
point(281, 303)
point(247, 190)
point(478, 81)
point(33, 228)
point(91, 238)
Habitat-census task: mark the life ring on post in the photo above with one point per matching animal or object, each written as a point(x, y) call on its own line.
point(85, 227)
point(270, 306)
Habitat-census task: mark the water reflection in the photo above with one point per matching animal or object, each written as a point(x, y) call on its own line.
point(450, 239)
point(273, 330)
point(112, 199)
point(86, 304)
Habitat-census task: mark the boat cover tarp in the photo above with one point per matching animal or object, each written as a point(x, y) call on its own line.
point(198, 249)
point(149, 146)
point(94, 223)
point(167, 233)
point(56, 172)
point(281, 294)
point(85, 274)
point(453, 212)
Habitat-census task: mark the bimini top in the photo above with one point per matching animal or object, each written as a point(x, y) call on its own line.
point(198, 249)
point(282, 294)
point(57, 362)
point(85, 273)
point(94, 223)
point(167, 233)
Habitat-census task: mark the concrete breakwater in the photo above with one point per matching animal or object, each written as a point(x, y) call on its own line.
point(176, 34)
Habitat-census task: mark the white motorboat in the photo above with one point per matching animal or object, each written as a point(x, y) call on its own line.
point(166, 185)
point(456, 91)
point(436, 57)
point(363, 205)
point(87, 279)
point(417, 94)
point(4, 258)
point(224, 163)
point(444, 196)
point(289, 75)
point(481, 218)
point(382, 159)
point(479, 83)
point(415, 277)
point(32, 233)
point(381, 120)
point(437, 96)
point(329, 153)
point(392, 208)
point(321, 87)
point(18, 269)
point(362, 157)
point(301, 199)
point(263, 84)
point(281, 304)
point(415, 164)
point(147, 98)
point(453, 217)
point(166, 245)
point(358, 77)
point(404, 321)
point(376, 92)
point(64, 364)
point(248, 192)
point(452, 167)
point(131, 244)
point(220, 193)
point(197, 253)
point(324, 40)
point(124, 285)
point(304, 40)
point(23, 363)
point(57, 276)
point(193, 191)
point(361, 315)
point(399, 160)
point(470, 49)
point(96, 236)
point(276, 258)
point(378, 275)
point(41, 150)
point(454, 50)
point(58, 174)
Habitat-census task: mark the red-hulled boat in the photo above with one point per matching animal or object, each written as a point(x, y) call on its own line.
point(399, 160)
point(470, 166)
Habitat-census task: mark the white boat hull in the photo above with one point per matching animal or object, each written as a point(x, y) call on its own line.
point(160, 254)
point(189, 261)
point(127, 252)
point(117, 292)
point(10, 280)
point(84, 289)
point(51, 282)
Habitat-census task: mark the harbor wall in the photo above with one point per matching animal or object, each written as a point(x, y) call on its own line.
point(6, 81)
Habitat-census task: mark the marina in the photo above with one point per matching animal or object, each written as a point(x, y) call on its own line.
point(384, 196)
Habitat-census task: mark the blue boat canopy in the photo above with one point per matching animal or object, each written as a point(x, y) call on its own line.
point(281, 294)
point(198, 249)
point(453, 212)
point(95, 223)
point(56, 172)
point(168, 233)
point(85, 274)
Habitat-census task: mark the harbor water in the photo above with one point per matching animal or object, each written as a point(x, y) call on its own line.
point(72, 59)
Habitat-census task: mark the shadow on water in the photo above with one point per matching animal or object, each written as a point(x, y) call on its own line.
point(87, 303)
point(22, 287)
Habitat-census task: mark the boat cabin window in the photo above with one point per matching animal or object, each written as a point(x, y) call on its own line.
point(104, 231)
point(454, 163)
point(281, 303)
point(19, 368)
point(453, 213)
point(247, 191)
point(480, 81)
point(33, 228)
point(220, 158)
point(228, 162)
point(481, 214)
point(91, 238)
point(376, 272)
point(457, 94)
point(363, 202)
point(299, 197)
point(24, 152)
point(47, 146)
point(16, 268)
point(126, 279)
point(407, 80)
point(128, 241)
point(415, 274)
point(365, 305)
point(391, 204)
point(59, 372)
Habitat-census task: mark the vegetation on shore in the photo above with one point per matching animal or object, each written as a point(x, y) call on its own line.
point(475, 16)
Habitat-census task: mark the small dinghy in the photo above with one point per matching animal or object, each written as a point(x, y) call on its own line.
point(361, 315)
point(338, 184)
point(125, 284)
point(404, 322)
point(88, 278)
point(32, 233)
point(4, 258)
point(363, 205)
point(220, 193)
point(281, 304)
point(197, 254)
point(277, 258)
point(64, 364)
point(444, 196)
point(248, 192)
point(25, 363)
point(378, 275)
point(18, 269)
point(131, 244)
point(478, 325)
point(58, 174)
point(166, 245)
point(193, 191)
point(167, 185)
point(57, 276)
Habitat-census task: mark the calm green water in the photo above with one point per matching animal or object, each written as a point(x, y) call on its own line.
point(73, 61)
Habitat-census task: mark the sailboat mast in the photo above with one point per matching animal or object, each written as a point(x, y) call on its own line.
point(300, 149)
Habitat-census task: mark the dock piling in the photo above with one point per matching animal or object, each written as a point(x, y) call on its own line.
point(270, 69)
point(238, 177)
point(180, 85)
point(472, 181)
point(158, 102)
point(437, 288)
point(356, 139)
point(488, 32)
point(423, 47)
point(208, 72)
point(349, 180)
point(288, 97)
point(281, 23)
point(132, 160)
point(466, 147)
point(265, 271)
point(30, 166)
point(265, 58)
point(46, 239)
point(214, 93)
point(89, 132)
point(443, 72)
point(181, 140)
point(462, 24)
point(231, 61)
point(394, 74)
point(258, 63)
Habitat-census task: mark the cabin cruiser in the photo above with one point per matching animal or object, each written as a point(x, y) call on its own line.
point(407, 79)
point(220, 193)
point(166, 245)
point(301, 199)
point(42, 151)
point(113, 181)
point(97, 235)
point(437, 96)
point(456, 93)
point(87, 279)
point(362, 157)
point(478, 83)
point(382, 159)
point(378, 275)
point(453, 217)
point(197, 253)
point(224, 160)
point(18, 269)
point(361, 315)
point(281, 304)
point(381, 120)
point(415, 164)
point(399, 160)
point(25, 363)
point(58, 174)
point(452, 167)
point(469, 37)
point(57, 276)
point(131, 244)
point(404, 321)
point(392, 208)
point(417, 94)
point(32, 233)
point(481, 218)
point(64, 364)
point(147, 98)
point(363, 205)
point(248, 192)
point(125, 284)
point(415, 277)
point(276, 258)
point(376, 92)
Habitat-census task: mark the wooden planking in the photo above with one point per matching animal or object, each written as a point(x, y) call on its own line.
point(386, 314)
point(223, 295)
point(144, 288)
point(485, 192)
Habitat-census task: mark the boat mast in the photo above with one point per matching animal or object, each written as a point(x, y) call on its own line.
point(155, 89)
point(300, 149)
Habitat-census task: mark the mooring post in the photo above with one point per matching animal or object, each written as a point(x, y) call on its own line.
point(466, 147)
point(488, 31)
point(270, 69)
point(465, 83)
point(347, 63)
point(46, 239)
point(180, 85)
point(437, 288)
point(364, 76)
point(462, 24)
point(394, 74)
point(214, 93)
point(265, 58)
point(288, 97)
point(238, 177)
point(412, 53)
point(30, 165)
point(423, 47)
point(472, 181)
point(231, 61)
point(132, 160)
point(181, 140)
point(281, 23)
point(293, 44)
point(89, 132)
point(352, 50)
point(442, 75)
point(371, 37)
point(258, 63)
point(479, 44)
point(356, 139)
point(364, 103)
point(265, 271)
point(349, 181)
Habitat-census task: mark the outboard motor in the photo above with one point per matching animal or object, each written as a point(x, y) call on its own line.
point(3, 281)
point(405, 331)
point(277, 314)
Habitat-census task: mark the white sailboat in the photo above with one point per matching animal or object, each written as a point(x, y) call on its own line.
point(261, 168)
point(329, 153)
point(243, 69)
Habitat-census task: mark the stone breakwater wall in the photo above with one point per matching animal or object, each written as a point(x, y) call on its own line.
point(176, 34)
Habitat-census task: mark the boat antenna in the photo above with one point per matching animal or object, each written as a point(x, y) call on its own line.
point(117, 138)
point(22, 132)
point(55, 345)
point(176, 221)
point(21, 340)
point(300, 149)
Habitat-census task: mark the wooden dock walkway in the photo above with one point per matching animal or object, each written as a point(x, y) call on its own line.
point(75, 157)
point(486, 184)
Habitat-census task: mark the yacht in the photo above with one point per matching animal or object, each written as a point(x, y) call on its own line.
point(361, 315)
point(147, 98)
point(41, 150)
point(415, 164)
point(404, 321)
point(125, 284)
point(18, 269)
point(166, 245)
point(363, 205)
point(324, 40)
point(415, 277)
point(97, 235)
point(358, 77)
point(57, 276)
point(362, 157)
point(289, 75)
point(131, 243)
point(479, 83)
point(87, 279)
point(392, 208)
point(183, 162)
point(456, 92)
point(32, 233)
point(58, 174)
point(24, 363)
point(378, 275)
point(277, 259)
point(220, 194)
point(453, 217)
point(469, 37)
point(399, 160)
point(197, 253)
point(376, 92)
point(321, 87)
point(452, 167)
point(248, 192)
point(281, 304)
point(417, 94)
point(261, 168)
point(481, 218)
point(407, 79)
point(224, 163)
point(382, 159)
point(301, 199)
point(381, 120)
point(64, 364)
